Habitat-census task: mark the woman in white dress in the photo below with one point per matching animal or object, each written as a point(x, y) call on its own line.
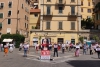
point(11, 48)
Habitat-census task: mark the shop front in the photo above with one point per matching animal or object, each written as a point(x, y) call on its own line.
point(54, 37)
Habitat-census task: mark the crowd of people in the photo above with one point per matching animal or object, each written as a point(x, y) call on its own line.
point(7, 47)
point(93, 48)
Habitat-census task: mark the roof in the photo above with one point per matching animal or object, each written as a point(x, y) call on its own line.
point(35, 11)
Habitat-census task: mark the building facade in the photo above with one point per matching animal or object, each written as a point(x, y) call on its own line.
point(97, 14)
point(14, 16)
point(60, 21)
point(87, 8)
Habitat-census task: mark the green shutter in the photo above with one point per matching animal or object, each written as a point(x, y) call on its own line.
point(1, 15)
point(0, 25)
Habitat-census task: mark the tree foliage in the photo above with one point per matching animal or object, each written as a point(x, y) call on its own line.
point(17, 38)
point(87, 23)
point(81, 39)
point(96, 38)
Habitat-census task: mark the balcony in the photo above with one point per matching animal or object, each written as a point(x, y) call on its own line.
point(72, 14)
point(48, 13)
point(35, 11)
point(60, 2)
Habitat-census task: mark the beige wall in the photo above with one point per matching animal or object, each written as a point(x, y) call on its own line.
point(56, 17)
point(13, 17)
point(86, 7)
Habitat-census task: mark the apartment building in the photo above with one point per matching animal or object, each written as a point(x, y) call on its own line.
point(87, 8)
point(60, 21)
point(34, 20)
point(14, 16)
point(97, 13)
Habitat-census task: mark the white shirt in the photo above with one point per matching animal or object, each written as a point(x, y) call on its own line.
point(28, 45)
point(63, 45)
point(77, 46)
point(55, 46)
point(1, 45)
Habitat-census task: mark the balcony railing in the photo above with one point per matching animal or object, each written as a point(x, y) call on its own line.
point(36, 28)
point(48, 13)
point(73, 14)
point(60, 2)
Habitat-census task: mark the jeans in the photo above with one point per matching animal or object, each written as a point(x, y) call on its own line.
point(1, 49)
point(98, 54)
point(25, 53)
point(63, 50)
point(55, 51)
point(84, 51)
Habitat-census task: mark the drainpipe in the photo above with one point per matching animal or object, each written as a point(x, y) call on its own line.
point(17, 17)
point(42, 10)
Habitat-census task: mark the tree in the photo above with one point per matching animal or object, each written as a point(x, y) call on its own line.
point(81, 39)
point(96, 38)
point(16, 37)
point(87, 23)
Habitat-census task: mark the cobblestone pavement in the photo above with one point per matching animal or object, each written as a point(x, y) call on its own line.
point(16, 59)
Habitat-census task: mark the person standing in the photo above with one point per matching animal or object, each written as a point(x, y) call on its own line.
point(1, 46)
point(55, 49)
point(25, 49)
point(11, 46)
point(98, 51)
point(28, 47)
point(63, 48)
point(84, 48)
point(20, 47)
point(77, 50)
point(6, 47)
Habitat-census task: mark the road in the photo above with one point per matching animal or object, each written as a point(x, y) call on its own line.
point(16, 59)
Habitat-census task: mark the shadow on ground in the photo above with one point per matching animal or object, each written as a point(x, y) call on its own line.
point(84, 63)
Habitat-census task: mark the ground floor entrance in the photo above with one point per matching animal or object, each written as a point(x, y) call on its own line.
point(54, 37)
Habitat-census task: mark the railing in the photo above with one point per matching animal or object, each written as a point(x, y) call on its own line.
point(48, 13)
point(72, 14)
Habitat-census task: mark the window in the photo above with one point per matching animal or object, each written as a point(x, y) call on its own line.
point(88, 3)
point(81, 9)
point(1, 5)
point(72, 10)
point(22, 6)
point(60, 1)
point(60, 40)
point(10, 4)
point(25, 17)
point(60, 26)
point(47, 25)
point(9, 13)
point(48, 10)
point(1, 15)
point(82, 3)
point(60, 10)
point(89, 10)
point(9, 21)
point(73, 41)
point(8, 30)
point(35, 15)
point(72, 25)
point(25, 25)
point(72, 0)
point(48, 0)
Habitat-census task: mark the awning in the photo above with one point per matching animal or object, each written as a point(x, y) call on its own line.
point(7, 40)
point(0, 25)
